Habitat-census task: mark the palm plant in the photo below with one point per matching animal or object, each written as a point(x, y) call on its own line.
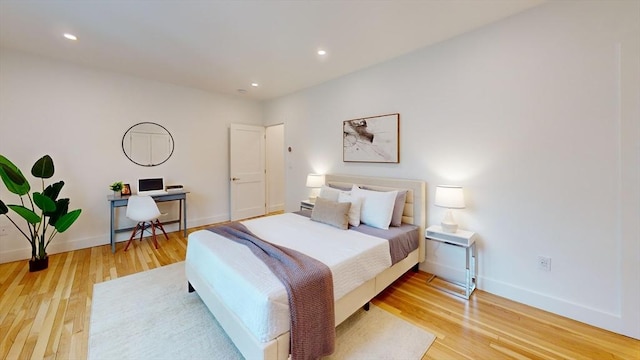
point(53, 212)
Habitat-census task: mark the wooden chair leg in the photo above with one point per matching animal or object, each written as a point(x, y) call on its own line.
point(143, 227)
point(159, 224)
point(133, 234)
point(153, 234)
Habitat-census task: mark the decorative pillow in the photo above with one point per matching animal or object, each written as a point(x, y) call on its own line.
point(329, 193)
point(398, 207)
point(377, 206)
point(340, 187)
point(331, 213)
point(356, 205)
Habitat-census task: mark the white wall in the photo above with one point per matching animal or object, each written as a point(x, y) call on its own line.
point(537, 117)
point(79, 115)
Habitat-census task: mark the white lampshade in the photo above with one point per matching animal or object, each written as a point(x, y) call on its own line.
point(450, 197)
point(315, 180)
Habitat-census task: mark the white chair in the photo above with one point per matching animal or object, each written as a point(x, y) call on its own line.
point(144, 210)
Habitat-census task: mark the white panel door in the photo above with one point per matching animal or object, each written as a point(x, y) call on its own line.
point(247, 170)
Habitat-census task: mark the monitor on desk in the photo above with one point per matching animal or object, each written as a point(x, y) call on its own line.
point(151, 186)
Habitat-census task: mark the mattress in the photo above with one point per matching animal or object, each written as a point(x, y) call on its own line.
point(254, 294)
point(402, 239)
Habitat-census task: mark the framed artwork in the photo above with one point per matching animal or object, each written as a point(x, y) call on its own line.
point(126, 190)
point(371, 139)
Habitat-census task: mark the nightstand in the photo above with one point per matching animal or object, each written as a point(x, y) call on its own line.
point(306, 205)
point(460, 238)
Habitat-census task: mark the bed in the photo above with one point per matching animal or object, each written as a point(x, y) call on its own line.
point(254, 324)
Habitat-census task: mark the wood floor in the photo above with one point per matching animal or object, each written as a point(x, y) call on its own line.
point(45, 315)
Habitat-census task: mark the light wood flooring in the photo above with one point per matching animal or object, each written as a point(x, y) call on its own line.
point(45, 315)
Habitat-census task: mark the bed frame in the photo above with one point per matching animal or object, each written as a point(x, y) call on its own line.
point(278, 349)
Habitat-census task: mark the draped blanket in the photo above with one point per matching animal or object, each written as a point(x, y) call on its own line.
point(309, 284)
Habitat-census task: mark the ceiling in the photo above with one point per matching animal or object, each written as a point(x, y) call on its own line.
point(224, 46)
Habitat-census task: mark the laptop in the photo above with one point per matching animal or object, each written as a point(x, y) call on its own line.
point(151, 186)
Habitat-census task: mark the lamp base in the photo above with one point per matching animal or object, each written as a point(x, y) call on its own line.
point(313, 195)
point(448, 224)
point(449, 228)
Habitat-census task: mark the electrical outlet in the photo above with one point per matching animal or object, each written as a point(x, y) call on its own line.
point(544, 263)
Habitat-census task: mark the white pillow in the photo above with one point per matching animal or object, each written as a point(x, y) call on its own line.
point(356, 205)
point(377, 206)
point(329, 193)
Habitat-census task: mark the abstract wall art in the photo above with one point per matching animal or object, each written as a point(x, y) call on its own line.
point(371, 139)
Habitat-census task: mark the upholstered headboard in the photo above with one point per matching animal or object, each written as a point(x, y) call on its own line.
point(414, 207)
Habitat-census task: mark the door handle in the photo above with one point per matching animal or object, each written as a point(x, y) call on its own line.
point(235, 178)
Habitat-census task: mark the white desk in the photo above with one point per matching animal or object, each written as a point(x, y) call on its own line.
point(120, 201)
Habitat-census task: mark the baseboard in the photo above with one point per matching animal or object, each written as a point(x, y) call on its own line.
point(563, 307)
point(57, 247)
point(208, 220)
point(54, 248)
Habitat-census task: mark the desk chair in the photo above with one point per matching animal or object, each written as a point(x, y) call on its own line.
point(144, 211)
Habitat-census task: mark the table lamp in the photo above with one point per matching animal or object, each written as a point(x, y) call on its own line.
point(449, 197)
point(315, 182)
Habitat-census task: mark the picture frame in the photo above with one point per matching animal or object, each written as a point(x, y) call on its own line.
point(126, 190)
point(372, 139)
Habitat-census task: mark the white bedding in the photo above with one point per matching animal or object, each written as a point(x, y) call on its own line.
point(252, 292)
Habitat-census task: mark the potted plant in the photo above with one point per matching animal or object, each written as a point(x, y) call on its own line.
point(51, 211)
point(116, 187)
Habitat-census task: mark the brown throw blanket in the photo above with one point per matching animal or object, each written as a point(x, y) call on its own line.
point(309, 284)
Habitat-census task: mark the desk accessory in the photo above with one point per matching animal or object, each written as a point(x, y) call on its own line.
point(174, 188)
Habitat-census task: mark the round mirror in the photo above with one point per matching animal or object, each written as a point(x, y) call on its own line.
point(147, 144)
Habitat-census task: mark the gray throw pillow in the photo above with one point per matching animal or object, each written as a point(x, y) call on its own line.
point(398, 208)
point(331, 213)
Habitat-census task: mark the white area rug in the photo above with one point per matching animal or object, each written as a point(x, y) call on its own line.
point(151, 315)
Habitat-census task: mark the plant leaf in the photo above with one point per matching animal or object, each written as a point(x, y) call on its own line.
point(27, 214)
point(44, 203)
point(67, 220)
point(43, 168)
point(52, 191)
point(62, 206)
point(13, 178)
point(3, 208)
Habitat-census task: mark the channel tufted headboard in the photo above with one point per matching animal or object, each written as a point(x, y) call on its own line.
point(414, 207)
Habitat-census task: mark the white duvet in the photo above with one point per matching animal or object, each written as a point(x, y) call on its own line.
point(254, 294)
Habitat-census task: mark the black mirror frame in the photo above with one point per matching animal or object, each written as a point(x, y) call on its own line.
point(173, 144)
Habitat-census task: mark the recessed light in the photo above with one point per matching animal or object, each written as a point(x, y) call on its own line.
point(70, 36)
point(254, 84)
point(322, 52)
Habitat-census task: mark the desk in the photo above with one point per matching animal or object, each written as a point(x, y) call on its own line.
point(120, 201)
